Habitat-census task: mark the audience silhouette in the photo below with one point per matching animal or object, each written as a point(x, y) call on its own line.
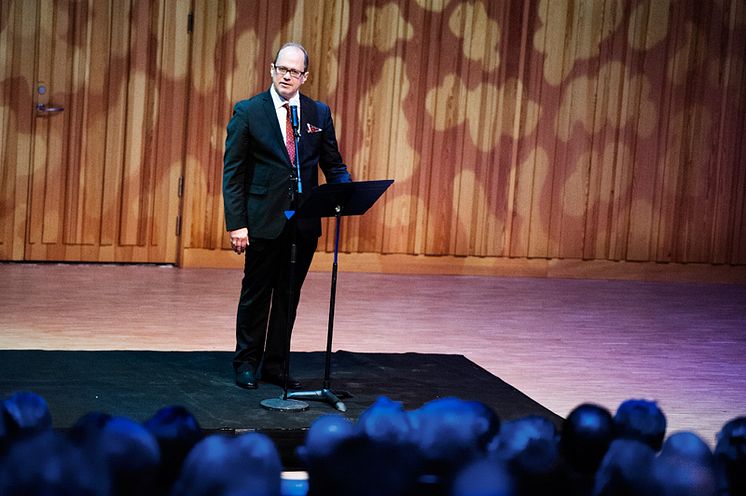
point(25, 414)
point(730, 453)
point(248, 464)
point(447, 446)
point(177, 431)
point(641, 420)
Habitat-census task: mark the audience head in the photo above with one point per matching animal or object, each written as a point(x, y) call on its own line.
point(450, 432)
point(325, 433)
point(88, 427)
point(730, 454)
point(676, 475)
point(586, 435)
point(529, 446)
point(374, 456)
point(516, 435)
point(260, 452)
point(177, 431)
point(131, 453)
point(25, 414)
point(247, 465)
point(625, 470)
point(483, 477)
point(47, 463)
point(641, 420)
point(385, 421)
point(687, 446)
point(362, 466)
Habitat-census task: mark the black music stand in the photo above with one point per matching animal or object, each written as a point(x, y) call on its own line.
point(337, 200)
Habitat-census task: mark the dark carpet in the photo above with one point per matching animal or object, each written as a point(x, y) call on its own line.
point(136, 384)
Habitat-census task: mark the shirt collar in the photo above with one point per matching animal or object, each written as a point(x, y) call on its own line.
point(279, 101)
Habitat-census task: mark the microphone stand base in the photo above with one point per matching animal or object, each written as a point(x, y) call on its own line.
point(284, 405)
point(322, 395)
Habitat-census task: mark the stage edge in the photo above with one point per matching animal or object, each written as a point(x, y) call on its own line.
point(495, 266)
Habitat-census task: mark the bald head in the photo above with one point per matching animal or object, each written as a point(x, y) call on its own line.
point(297, 46)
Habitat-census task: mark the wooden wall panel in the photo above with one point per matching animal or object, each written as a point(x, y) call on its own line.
point(102, 175)
point(590, 130)
point(17, 50)
point(169, 129)
point(209, 104)
point(607, 130)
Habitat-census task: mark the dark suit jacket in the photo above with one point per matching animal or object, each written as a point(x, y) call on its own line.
point(256, 165)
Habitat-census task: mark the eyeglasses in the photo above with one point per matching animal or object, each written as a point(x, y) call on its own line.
point(284, 70)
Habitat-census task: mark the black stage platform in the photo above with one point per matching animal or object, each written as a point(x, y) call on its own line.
point(136, 384)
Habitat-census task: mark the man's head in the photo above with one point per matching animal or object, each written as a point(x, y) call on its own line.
point(289, 70)
point(642, 420)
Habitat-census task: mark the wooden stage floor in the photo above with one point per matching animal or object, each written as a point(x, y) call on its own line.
point(560, 341)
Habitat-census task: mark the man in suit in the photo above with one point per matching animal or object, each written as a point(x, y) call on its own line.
point(258, 188)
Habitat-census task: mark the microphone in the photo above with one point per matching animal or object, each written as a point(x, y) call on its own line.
point(294, 120)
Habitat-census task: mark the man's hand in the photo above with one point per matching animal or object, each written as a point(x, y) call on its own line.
point(239, 239)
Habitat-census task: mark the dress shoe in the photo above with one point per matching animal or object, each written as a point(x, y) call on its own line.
point(246, 379)
point(279, 380)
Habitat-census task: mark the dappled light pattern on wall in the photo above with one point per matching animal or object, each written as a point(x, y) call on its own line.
point(576, 129)
point(97, 181)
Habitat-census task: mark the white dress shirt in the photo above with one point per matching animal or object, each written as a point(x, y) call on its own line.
point(282, 113)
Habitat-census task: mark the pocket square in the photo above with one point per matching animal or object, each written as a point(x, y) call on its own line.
point(312, 128)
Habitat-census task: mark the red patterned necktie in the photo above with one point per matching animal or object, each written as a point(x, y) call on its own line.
point(289, 137)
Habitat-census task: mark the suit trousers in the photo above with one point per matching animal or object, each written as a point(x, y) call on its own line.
point(262, 327)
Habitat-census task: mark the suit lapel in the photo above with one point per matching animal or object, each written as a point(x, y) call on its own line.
point(308, 115)
point(271, 115)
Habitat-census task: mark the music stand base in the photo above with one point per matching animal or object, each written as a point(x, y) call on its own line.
point(320, 395)
point(284, 405)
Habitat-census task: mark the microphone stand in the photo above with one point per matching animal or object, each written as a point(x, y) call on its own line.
point(284, 403)
point(326, 393)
